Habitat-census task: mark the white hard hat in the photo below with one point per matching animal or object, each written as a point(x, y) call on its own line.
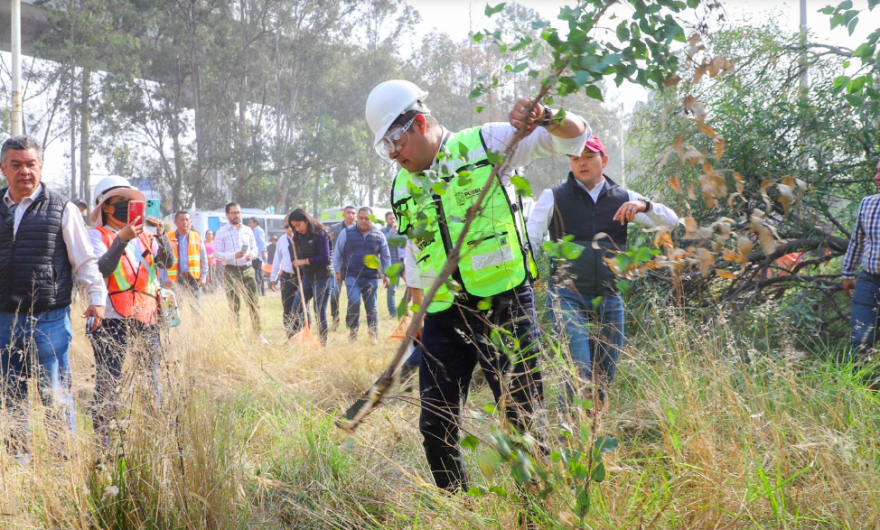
point(388, 101)
point(112, 186)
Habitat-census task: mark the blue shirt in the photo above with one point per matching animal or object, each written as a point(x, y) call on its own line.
point(183, 257)
point(260, 236)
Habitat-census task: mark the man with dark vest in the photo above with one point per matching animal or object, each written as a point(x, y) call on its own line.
point(360, 258)
point(43, 247)
point(587, 204)
point(190, 270)
point(442, 175)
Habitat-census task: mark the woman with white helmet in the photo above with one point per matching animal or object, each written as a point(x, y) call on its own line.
point(127, 258)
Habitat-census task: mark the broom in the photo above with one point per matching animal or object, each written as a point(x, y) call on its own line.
point(303, 336)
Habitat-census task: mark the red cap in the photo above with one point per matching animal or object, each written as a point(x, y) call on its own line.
point(594, 144)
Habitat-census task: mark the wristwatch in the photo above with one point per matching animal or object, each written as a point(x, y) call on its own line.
point(648, 204)
point(548, 117)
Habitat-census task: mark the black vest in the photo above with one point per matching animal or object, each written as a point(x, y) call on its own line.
point(576, 214)
point(35, 272)
point(307, 246)
point(358, 247)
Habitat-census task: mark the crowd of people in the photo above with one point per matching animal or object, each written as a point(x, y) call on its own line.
point(125, 267)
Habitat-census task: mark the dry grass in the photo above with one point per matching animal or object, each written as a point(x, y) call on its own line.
point(709, 438)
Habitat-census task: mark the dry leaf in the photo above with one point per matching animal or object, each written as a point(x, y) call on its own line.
point(663, 239)
point(675, 184)
point(690, 191)
point(705, 260)
point(740, 182)
point(744, 245)
point(597, 237)
point(706, 129)
point(719, 147)
point(727, 275)
point(679, 142)
point(699, 72)
point(671, 81)
point(665, 157)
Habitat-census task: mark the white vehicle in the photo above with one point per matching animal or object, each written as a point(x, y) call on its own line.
point(204, 220)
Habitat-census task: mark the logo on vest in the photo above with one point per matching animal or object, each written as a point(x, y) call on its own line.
point(464, 196)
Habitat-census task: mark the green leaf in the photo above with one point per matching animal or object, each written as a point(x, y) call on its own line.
point(623, 31)
point(498, 490)
point(484, 304)
point(583, 502)
point(540, 24)
point(393, 272)
point(492, 10)
point(401, 308)
point(594, 92)
point(371, 261)
point(854, 100)
point(477, 37)
point(470, 442)
point(489, 461)
point(605, 444)
point(477, 491)
point(838, 83)
point(439, 188)
point(598, 474)
point(522, 185)
point(571, 251)
point(397, 241)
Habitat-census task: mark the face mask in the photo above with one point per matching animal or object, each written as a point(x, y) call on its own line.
point(120, 211)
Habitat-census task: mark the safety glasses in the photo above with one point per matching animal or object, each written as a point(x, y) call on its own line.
point(394, 139)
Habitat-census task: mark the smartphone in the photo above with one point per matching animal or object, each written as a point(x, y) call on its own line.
point(153, 208)
point(89, 323)
point(244, 248)
point(136, 209)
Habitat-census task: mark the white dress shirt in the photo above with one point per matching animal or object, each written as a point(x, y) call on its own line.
point(540, 144)
point(79, 249)
point(282, 261)
point(539, 220)
point(229, 242)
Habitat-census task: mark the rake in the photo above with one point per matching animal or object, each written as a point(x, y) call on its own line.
point(304, 336)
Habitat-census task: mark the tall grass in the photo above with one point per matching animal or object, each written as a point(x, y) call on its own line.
point(713, 434)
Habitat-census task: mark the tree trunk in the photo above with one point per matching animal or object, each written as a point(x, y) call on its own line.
point(85, 144)
point(73, 191)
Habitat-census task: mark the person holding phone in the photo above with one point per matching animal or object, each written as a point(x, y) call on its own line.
point(128, 257)
point(236, 247)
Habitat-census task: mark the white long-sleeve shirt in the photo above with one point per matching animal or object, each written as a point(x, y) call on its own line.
point(539, 220)
point(282, 261)
point(230, 240)
point(498, 136)
point(79, 249)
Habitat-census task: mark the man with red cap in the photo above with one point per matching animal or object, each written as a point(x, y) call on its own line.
point(587, 205)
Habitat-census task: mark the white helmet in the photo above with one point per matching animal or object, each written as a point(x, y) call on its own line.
point(388, 101)
point(112, 186)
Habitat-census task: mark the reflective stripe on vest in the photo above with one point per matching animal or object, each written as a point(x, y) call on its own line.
point(193, 255)
point(133, 289)
point(494, 256)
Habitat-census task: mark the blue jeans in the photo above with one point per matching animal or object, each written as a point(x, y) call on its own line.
point(115, 338)
point(319, 290)
point(863, 319)
point(334, 300)
point(37, 345)
point(599, 359)
point(390, 295)
point(368, 289)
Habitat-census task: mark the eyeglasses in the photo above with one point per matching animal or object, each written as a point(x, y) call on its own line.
point(396, 134)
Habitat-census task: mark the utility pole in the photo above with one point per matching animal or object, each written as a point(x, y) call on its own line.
point(15, 41)
point(804, 29)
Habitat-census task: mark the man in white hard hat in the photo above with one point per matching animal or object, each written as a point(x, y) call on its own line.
point(43, 248)
point(491, 287)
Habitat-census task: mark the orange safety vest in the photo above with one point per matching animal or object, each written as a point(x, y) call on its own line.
point(133, 287)
point(194, 252)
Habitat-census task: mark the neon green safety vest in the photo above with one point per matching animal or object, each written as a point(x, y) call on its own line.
point(495, 257)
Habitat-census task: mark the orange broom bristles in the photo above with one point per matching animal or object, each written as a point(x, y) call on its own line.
point(400, 331)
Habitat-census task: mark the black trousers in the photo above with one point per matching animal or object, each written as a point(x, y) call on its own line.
point(454, 342)
point(289, 288)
